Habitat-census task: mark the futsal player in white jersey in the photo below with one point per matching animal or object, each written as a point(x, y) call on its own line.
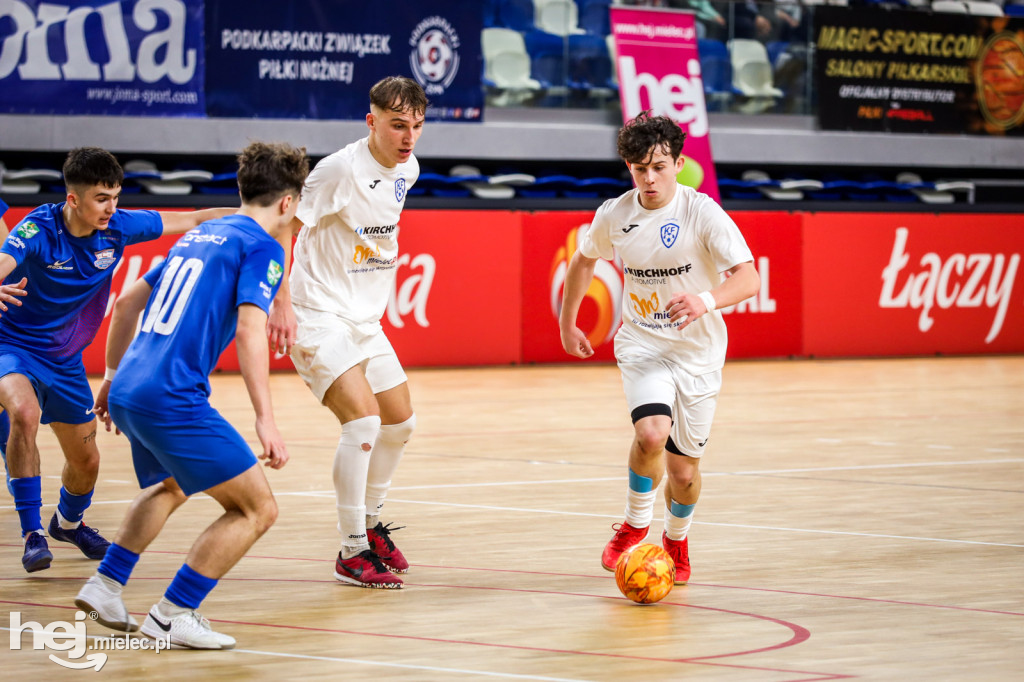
point(343, 270)
point(683, 259)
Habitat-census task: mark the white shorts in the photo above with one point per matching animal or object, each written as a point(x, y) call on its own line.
point(328, 346)
point(649, 379)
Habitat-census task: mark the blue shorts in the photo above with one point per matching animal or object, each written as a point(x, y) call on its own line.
point(198, 454)
point(62, 390)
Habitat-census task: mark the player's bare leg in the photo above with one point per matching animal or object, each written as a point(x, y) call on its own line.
point(81, 469)
point(646, 468)
point(19, 399)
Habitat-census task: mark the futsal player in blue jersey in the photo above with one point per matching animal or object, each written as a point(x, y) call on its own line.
point(62, 256)
point(217, 284)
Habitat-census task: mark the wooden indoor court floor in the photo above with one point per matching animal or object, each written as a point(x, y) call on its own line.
point(860, 519)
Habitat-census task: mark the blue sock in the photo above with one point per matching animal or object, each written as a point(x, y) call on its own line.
point(28, 500)
point(72, 507)
point(118, 563)
point(189, 589)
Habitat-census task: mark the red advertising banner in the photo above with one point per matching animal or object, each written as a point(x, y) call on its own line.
point(770, 324)
point(484, 287)
point(767, 325)
point(549, 240)
point(912, 284)
point(659, 69)
point(457, 299)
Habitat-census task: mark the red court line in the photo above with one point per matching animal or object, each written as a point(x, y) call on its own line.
point(592, 577)
point(546, 650)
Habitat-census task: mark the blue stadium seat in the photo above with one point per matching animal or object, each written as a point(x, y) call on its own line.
point(548, 186)
point(597, 187)
point(491, 16)
point(716, 72)
point(547, 58)
point(594, 16)
point(590, 65)
point(516, 14)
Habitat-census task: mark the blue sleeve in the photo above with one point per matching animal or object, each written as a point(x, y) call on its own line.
point(153, 276)
point(139, 226)
point(3, 208)
point(24, 239)
point(260, 273)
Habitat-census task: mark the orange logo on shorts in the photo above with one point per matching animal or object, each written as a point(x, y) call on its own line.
point(605, 290)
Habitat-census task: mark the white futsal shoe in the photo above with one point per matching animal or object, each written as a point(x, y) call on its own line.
point(185, 628)
point(100, 597)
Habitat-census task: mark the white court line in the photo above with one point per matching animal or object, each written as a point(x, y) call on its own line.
point(708, 523)
point(500, 483)
point(406, 666)
point(359, 661)
point(862, 467)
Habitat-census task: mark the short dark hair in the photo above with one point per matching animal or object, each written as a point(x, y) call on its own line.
point(397, 93)
point(646, 135)
point(91, 166)
point(268, 171)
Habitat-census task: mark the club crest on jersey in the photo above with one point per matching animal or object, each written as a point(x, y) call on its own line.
point(399, 189)
point(104, 258)
point(669, 232)
point(28, 230)
point(274, 272)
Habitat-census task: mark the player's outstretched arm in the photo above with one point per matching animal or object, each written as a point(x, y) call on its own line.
point(10, 293)
point(577, 281)
point(123, 322)
point(180, 222)
point(282, 326)
point(254, 363)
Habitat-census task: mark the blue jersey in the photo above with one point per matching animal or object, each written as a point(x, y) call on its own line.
point(192, 314)
point(3, 208)
point(68, 278)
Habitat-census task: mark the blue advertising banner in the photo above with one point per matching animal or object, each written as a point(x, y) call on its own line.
point(132, 58)
point(319, 58)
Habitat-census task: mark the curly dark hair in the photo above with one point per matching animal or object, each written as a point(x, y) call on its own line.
point(646, 135)
point(398, 93)
point(92, 166)
point(268, 171)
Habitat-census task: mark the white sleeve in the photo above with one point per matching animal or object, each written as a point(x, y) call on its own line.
point(327, 190)
point(596, 242)
point(722, 237)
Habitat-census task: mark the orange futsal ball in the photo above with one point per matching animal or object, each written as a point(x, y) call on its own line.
point(645, 573)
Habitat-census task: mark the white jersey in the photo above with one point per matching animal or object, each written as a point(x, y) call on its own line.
point(346, 256)
point(682, 247)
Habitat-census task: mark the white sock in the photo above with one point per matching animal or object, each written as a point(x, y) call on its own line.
point(65, 524)
point(640, 508)
point(110, 584)
point(169, 609)
point(351, 461)
point(387, 453)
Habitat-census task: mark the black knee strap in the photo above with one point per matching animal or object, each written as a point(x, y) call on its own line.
point(650, 410)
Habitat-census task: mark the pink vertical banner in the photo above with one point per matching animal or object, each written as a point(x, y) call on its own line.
point(659, 69)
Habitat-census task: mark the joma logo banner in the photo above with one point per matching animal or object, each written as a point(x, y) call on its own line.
point(141, 57)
